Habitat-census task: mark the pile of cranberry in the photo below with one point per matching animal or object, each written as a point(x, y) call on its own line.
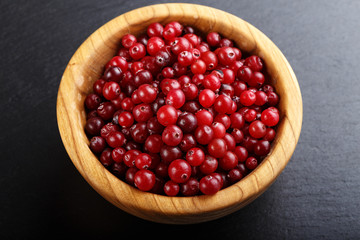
point(180, 114)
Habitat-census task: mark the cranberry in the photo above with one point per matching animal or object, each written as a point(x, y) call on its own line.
point(171, 188)
point(204, 134)
point(153, 126)
point(144, 179)
point(154, 45)
point(209, 185)
point(247, 98)
point(105, 158)
point(143, 161)
point(175, 98)
point(190, 187)
point(115, 139)
point(251, 163)
point(195, 156)
point(209, 165)
point(213, 39)
point(190, 91)
point(94, 125)
point(106, 110)
point(118, 154)
point(270, 117)
point(92, 101)
point(179, 171)
point(204, 117)
point(130, 156)
point(167, 115)
point(207, 98)
point(210, 59)
point(229, 161)
point(154, 143)
point(147, 93)
point(142, 112)
point(217, 148)
point(128, 40)
point(187, 122)
point(198, 67)
point(125, 119)
point(169, 153)
point(257, 129)
point(188, 141)
point(254, 62)
point(139, 132)
point(97, 144)
point(155, 30)
point(172, 135)
point(241, 153)
point(113, 74)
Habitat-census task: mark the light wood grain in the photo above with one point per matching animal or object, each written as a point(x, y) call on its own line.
point(86, 66)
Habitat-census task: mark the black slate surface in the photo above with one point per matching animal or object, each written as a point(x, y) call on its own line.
point(316, 197)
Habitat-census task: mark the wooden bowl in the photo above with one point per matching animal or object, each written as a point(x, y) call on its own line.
point(86, 66)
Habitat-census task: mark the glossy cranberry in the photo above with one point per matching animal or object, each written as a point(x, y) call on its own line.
point(143, 77)
point(210, 59)
point(223, 119)
point(157, 104)
point(132, 145)
point(167, 115)
point(105, 158)
point(177, 26)
point(124, 52)
point(154, 45)
point(167, 85)
point(128, 40)
point(249, 143)
point(118, 154)
point(169, 153)
point(155, 30)
point(234, 175)
point(162, 170)
point(247, 98)
point(229, 161)
point(209, 185)
point(125, 119)
point(118, 61)
point(185, 58)
point(238, 135)
point(227, 90)
point(175, 98)
point(270, 134)
point(241, 153)
point(127, 104)
point(108, 128)
point(254, 62)
point(98, 86)
point(207, 98)
point(217, 148)
point(213, 39)
point(137, 51)
point(204, 117)
point(230, 141)
point(209, 165)
point(257, 129)
point(106, 110)
point(223, 103)
point(154, 143)
point(130, 156)
point(143, 161)
point(190, 91)
point(94, 125)
point(172, 135)
point(188, 141)
point(245, 73)
point(130, 175)
point(179, 45)
point(143, 39)
point(261, 98)
point(111, 90)
point(193, 39)
point(147, 93)
point(171, 188)
point(153, 126)
point(251, 163)
point(270, 117)
point(144, 180)
point(195, 156)
point(113, 74)
point(204, 134)
point(97, 144)
point(229, 76)
point(226, 55)
point(179, 171)
point(92, 101)
point(257, 80)
point(197, 79)
point(142, 112)
point(212, 82)
point(190, 187)
point(219, 129)
point(187, 122)
point(115, 139)
point(139, 132)
point(198, 67)
point(273, 98)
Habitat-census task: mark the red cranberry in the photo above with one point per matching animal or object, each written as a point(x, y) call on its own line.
point(190, 187)
point(217, 148)
point(94, 125)
point(179, 171)
point(167, 115)
point(270, 117)
point(171, 188)
point(144, 179)
point(172, 135)
point(143, 161)
point(195, 156)
point(97, 144)
point(209, 185)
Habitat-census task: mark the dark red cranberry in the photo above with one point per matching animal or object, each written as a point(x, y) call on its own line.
point(97, 144)
point(169, 153)
point(139, 132)
point(171, 188)
point(190, 187)
point(94, 125)
point(209, 185)
point(105, 158)
point(187, 122)
point(144, 179)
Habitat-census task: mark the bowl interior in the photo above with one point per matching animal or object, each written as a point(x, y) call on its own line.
point(87, 65)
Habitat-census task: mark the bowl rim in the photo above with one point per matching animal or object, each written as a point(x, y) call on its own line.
point(225, 199)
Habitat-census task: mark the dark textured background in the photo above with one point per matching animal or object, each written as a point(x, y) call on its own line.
point(316, 197)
